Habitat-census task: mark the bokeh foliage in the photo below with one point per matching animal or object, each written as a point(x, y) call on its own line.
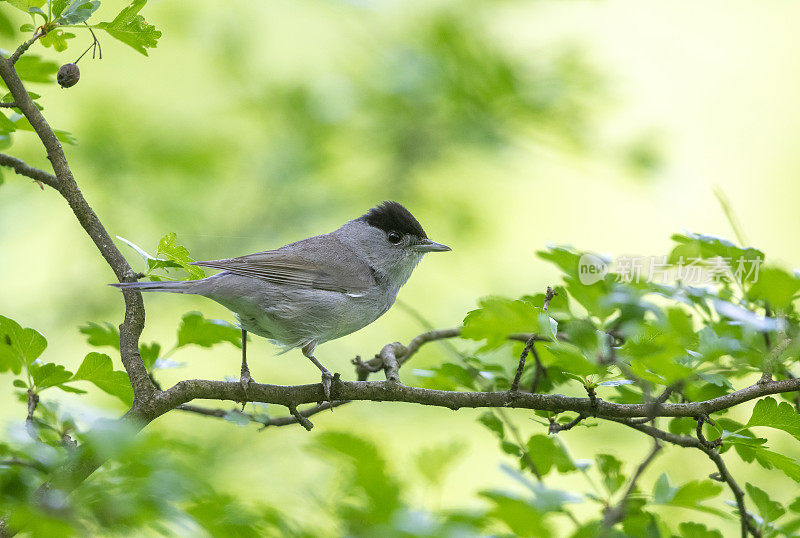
point(437, 86)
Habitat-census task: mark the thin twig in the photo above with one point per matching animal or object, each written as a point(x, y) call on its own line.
point(12, 104)
point(548, 296)
point(303, 420)
point(615, 514)
point(555, 427)
point(277, 421)
point(33, 401)
point(22, 48)
point(23, 169)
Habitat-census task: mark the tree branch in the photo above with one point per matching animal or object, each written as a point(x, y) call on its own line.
point(133, 323)
point(615, 514)
point(185, 391)
point(22, 168)
point(548, 296)
point(24, 47)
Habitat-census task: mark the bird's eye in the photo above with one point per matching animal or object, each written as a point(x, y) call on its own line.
point(394, 237)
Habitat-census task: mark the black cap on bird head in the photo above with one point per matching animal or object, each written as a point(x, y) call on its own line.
point(393, 217)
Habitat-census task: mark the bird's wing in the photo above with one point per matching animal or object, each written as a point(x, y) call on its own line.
point(321, 262)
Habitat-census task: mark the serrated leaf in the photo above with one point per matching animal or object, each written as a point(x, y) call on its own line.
point(131, 28)
point(768, 509)
point(48, 375)
point(195, 329)
point(172, 254)
point(98, 368)
point(690, 529)
point(18, 347)
point(497, 317)
point(57, 38)
point(547, 453)
point(101, 335)
point(767, 412)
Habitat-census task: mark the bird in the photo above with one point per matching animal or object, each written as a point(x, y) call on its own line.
point(314, 290)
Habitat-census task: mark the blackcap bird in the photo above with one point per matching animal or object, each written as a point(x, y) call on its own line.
point(317, 289)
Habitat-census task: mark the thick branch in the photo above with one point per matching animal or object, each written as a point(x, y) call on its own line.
point(191, 389)
point(23, 169)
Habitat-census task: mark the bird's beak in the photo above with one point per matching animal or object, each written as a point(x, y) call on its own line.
point(426, 245)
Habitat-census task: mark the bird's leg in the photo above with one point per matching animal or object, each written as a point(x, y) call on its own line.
point(327, 376)
point(244, 378)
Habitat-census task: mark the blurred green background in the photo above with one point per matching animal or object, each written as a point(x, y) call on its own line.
point(503, 126)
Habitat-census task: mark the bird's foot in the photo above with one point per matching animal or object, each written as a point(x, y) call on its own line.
point(328, 379)
point(245, 379)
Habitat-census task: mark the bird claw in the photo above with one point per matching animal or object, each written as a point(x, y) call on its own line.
point(327, 381)
point(245, 381)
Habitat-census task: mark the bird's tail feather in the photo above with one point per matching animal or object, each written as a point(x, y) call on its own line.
point(166, 286)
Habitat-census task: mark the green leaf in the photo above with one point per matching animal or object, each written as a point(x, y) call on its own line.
point(26, 5)
point(195, 329)
point(57, 6)
point(6, 28)
point(570, 359)
point(775, 286)
point(57, 39)
point(149, 353)
point(6, 125)
point(547, 453)
point(691, 529)
point(32, 68)
point(22, 123)
point(769, 459)
point(172, 254)
point(20, 384)
point(768, 509)
point(520, 516)
point(497, 317)
point(433, 463)
point(690, 495)
point(101, 335)
point(97, 368)
point(611, 470)
point(744, 263)
point(48, 375)
point(78, 11)
point(494, 424)
point(131, 28)
point(768, 412)
point(18, 347)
